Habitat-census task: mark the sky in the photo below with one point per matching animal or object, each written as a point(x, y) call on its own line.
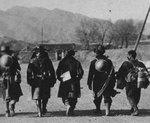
point(103, 9)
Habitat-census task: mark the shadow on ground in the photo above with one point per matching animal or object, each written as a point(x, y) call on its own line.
point(82, 113)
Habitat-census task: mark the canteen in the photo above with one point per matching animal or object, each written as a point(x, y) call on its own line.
point(142, 80)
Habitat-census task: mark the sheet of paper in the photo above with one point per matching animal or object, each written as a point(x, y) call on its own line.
point(66, 76)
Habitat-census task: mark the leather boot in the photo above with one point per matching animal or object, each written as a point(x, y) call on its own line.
point(135, 111)
point(97, 110)
point(68, 111)
point(38, 104)
point(107, 110)
point(12, 110)
point(44, 104)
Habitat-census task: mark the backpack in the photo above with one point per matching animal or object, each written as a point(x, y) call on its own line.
point(41, 69)
point(138, 75)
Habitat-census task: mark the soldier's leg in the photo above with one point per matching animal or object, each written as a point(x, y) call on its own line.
point(137, 96)
point(38, 104)
point(72, 103)
point(68, 107)
point(107, 101)
point(44, 105)
point(7, 101)
point(7, 109)
point(97, 102)
point(12, 107)
point(133, 96)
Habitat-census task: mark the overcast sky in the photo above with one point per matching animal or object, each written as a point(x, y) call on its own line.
point(105, 9)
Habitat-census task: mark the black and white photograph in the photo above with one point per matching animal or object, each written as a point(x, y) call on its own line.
point(74, 61)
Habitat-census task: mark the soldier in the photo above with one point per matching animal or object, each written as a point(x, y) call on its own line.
point(10, 73)
point(69, 73)
point(101, 79)
point(133, 92)
point(41, 77)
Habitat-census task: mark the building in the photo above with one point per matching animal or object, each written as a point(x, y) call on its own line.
point(58, 51)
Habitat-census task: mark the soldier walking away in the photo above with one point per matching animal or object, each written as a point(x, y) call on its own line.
point(134, 76)
point(69, 73)
point(41, 77)
point(11, 79)
point(101, 80)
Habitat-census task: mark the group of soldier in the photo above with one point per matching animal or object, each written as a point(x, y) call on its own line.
point(41, 77)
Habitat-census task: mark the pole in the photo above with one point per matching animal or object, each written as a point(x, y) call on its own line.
point(139, 36)
point(42, 35)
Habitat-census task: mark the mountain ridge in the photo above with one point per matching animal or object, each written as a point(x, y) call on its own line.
point(23, 23)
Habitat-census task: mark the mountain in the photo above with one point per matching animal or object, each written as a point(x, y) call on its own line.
point(26, 24)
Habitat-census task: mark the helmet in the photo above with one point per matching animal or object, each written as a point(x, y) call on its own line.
point(39, 48)
point(100, 49)
point(71, 52)
point(101, 65)
point(6, 61)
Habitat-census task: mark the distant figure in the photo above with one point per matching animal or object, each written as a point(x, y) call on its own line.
point(132, 78)
point(10, 73)
point(69, 73)
point(41, 77)
point(101, 80)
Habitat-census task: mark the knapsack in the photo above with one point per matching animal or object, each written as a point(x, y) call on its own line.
point(138, 75)
point(42, 70)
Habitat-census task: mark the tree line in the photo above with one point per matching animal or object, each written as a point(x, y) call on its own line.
point(120, 34)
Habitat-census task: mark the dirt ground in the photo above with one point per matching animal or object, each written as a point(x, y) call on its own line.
point(26, 109)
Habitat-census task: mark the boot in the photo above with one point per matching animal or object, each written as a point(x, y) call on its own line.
point(7, 114)
point(44, 111)
point(135, 111)
point(38, 103)
point(12, 110)
point(44, 104)
point(97, 111)
point(107, 110)
point(68, 111)
point(131, 110)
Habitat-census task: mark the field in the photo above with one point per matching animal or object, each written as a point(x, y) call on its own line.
point(26, 109)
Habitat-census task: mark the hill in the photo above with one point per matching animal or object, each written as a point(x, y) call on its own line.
point(26, 24)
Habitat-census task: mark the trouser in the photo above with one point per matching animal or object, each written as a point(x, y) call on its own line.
point(11, 104)
point(133, 95)
point(70, 101)
point(41, 104)
point(97, 100)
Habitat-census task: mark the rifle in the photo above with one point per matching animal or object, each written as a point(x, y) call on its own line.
point(106, 83)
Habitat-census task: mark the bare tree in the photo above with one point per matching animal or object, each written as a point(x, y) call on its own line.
point(92, 31)
point(126, 31)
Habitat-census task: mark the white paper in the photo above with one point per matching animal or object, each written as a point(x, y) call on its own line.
point(66, 76)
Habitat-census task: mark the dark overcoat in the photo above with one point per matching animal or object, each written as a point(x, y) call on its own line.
point(41, 77)
point(11, 81)
point(97, 79)
point(131, 87)
point(69, 63)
